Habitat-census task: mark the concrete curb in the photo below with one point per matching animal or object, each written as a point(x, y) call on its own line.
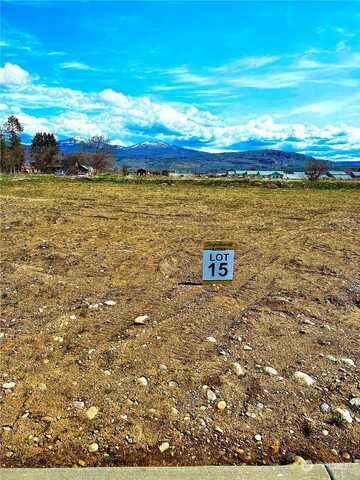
point(346, 471)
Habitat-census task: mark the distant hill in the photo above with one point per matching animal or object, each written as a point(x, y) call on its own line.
point(164, 156)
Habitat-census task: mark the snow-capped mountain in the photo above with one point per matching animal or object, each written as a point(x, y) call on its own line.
point(164, 156)
point(158, 149)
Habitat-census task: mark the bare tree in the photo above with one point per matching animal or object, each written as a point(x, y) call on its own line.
point(97, 153)
point(316, 168)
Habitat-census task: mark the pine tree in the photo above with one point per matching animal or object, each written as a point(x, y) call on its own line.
point(12, 152)
point(4, 152)
point(44, 152)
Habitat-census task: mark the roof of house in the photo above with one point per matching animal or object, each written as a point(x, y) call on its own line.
point(337, 172)
point(296, 175)
point(340, 175)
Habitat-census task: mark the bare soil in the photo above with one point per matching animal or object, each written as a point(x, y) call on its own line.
point(70, 246)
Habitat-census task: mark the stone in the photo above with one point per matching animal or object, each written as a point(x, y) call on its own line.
point(238, 369)
point(93, 447)
point(355, 402)
point(331, 358)
point(47, 419)
point(141, 320)
point(9, 385)
point(92, 412)
point(211, 339)
point(304, 379)
point(162, 367)
point(172, 384)
point(344, 414)
point(174, 411)
point(110, 303)
point(247, 348)
point(270, 371)
point(306, 321)
point(298, 460)
point(258, 437)
point(78, 405)
point(210, 395)
point(349, 362)
point(42, 387)
point(325, 432)
point(221, 405)
point(164, 446)
point(142, 381)
point(324, 407)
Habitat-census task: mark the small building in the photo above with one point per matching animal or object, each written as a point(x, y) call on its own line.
point(80, 169)
point(339, 175)
point(295, 176)
point(355, 175)
point(141, 172)
point(26, 168)
point(275, 175)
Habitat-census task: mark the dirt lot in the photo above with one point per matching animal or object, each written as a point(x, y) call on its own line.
point(69, 246)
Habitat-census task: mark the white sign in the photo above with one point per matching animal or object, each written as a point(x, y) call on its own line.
point(218, 262)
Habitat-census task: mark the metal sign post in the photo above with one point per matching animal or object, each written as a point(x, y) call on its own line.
point(218, 262)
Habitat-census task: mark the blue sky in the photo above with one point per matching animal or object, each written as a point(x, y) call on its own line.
point(208, 75)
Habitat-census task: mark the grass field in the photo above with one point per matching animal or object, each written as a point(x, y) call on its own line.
point(69, 246)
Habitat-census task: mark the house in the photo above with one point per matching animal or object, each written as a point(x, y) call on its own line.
point(274, 174)
point(80, 169)
point(355, 175)
point(295, 176)
point(339, 175)
point(141, 172)
point(26, 168)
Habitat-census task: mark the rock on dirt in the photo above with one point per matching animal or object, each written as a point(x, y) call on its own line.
point(304, 379)
point(211, 339)
point(142, 381)
point(164, 446)
point(324, 407)
point(270, 371)
point(238, 369)
point(344, 414)
point(92, 412)
point(141, 320)
point(9, 385)
point(349, 362)
point(93, 447)
point(355, 402)
point(211, 396)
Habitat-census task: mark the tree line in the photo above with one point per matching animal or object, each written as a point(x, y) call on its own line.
point(45, 155)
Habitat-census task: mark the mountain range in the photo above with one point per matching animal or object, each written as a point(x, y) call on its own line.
point(164, 156)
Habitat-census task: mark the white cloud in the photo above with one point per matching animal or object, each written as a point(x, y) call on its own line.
point(75, 66)
point(122, 117)
point(246, 63)
point(182, 74)
point(12, 74)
